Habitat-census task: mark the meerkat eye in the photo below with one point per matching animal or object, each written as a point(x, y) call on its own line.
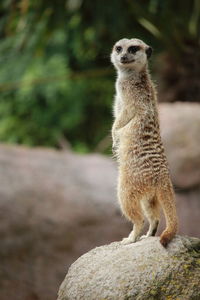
point(133, 49)
point(118, 49)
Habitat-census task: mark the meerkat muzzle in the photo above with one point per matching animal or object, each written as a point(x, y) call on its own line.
point(124, 60)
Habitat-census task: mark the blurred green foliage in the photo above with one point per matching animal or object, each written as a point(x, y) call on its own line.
point(56, 80)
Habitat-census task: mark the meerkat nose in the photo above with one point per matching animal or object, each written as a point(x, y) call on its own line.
point(124, 58)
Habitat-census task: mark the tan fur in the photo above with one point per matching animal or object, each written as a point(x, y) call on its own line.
point(144, 183)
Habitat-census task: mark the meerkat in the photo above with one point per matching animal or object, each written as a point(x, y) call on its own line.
point(144, 183)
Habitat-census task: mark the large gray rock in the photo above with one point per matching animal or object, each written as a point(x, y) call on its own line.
point(141, 271)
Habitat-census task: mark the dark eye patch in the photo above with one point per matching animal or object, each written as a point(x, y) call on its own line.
point(133, 49)
point(118, 49)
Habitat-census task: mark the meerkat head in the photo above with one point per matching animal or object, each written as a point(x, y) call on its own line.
point(130, 55)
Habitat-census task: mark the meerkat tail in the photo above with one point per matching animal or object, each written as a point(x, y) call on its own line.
point(166, 198)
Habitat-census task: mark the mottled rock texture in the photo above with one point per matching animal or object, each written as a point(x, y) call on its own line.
point(140, 271)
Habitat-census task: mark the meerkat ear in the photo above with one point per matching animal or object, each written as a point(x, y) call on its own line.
point(149, 51)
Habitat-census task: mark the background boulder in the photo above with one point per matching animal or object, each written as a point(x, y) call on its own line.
point(55, 206)
point(143, 270)
point(180, 129)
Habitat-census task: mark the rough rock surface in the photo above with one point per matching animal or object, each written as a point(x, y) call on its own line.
point(141, 271)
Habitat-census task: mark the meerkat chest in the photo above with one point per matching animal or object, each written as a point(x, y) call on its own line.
point(126, 92)
point(132, 93)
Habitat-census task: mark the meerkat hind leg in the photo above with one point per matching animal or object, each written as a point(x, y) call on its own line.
point(135, 216)
point(131, 207)
point(152, 212)
point(134, 234)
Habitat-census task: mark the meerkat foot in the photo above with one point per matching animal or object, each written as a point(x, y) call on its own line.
point(128, 240)
point(144, 237)
point(152, 230)
point(132, 238)
point(135, 233)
